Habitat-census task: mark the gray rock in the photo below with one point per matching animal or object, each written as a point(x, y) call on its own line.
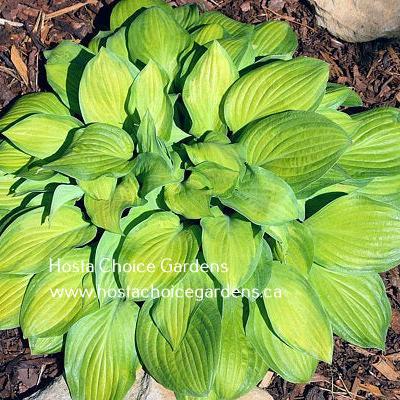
point(145, 388)
point(359, 20)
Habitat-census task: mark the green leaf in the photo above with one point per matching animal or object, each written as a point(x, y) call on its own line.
point(149, 94)
point(205, 87)
point(125, 10)
point(187, 15)
point(190, 369)
point(385, 189)
point(240, 50)
point(33, 103)
point(106, 214)
point(294, 246)
point(101, 188)
point(220, 180)
point(12, 291)
point(8, 198)
point(226, 155)
point(233, 27)
point(41, 135)
point(116, 43)
point(102, 92)
point(232, 248)
point(338, 95)
point(100, 354)
point(376, 146)
point(345, 121)
point(172, 314)
point(297, 84)
point(64, 194)
point(155, 247)
point(46, 345)
point(240, 368)
point(297, 315)
point(98, 149)
point(274, 38)
point(356, 234)
point(155, 35)
point(12, 159)
point(190, 199)
point(27, 243)
point(293, 365)
point(98, 41)
point(54, 297)
point(299, 147)
point(207, 33)
point(357, 306)
point(263, 198)
point(64, 69)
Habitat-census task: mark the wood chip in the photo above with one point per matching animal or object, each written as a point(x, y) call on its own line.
point(355, 387)
point(393, 357)
point(364, 352)
point(11, 23)
point(367, 387)
point(267, 380)
point(69, 9)
point(19, 64)
point(387, 369)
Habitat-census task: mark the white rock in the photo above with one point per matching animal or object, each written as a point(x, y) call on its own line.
point(145, 388)
point(359, 20)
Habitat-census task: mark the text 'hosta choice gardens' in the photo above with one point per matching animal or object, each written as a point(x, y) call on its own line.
point(193, 199)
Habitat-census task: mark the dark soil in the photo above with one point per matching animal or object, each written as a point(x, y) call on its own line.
point(373, 69)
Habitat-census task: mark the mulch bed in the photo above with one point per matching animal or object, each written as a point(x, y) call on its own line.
point(373, 69)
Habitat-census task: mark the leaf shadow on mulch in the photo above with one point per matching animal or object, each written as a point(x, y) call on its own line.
point(373, 69)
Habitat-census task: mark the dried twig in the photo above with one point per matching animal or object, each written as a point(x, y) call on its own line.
point(19, 64)
point(286, 18)
point(69, 9)
point(11, 23)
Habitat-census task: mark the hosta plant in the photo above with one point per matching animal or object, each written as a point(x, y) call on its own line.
point(194, 200)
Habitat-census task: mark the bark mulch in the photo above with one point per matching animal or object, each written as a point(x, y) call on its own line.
point(373, 69)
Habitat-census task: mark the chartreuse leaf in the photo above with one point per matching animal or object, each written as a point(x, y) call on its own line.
point(232, 248)
point(345, 121)
point(41, 135)
point(274, 38)
point(293, 365)
point(294, 245)
point(376, 146)
point(33, 103)
point(357, 305)
point(385, 189)
point(297, 84)
point(107, 213)
point(297, 315)
point(156, 249)
point(149, 94)
point(64, 194)
point(155, 35)
point(26, 186)
point(207, 33)
point(187, 15)
point(8, 198)
point(102, 92)
point(240, 50)
point(190, 369)
point(172, 314)
point(255, 285)
point(190, 199)
point(27, 243)
point(356, 234)
point(124, 10)
point(64, 69)
point(240, 367)
point(338, 95)
point(98, 41)
point(227, 155)
point(98, 149)
point(12, 291)
point(12, 159)
point(233, 27)
point(101, 188)
point(54, 297)
point(205, 87)
point(116, 43)
point(298, 146)
point(263, 198)
point(100, 354)
point(46, 345)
